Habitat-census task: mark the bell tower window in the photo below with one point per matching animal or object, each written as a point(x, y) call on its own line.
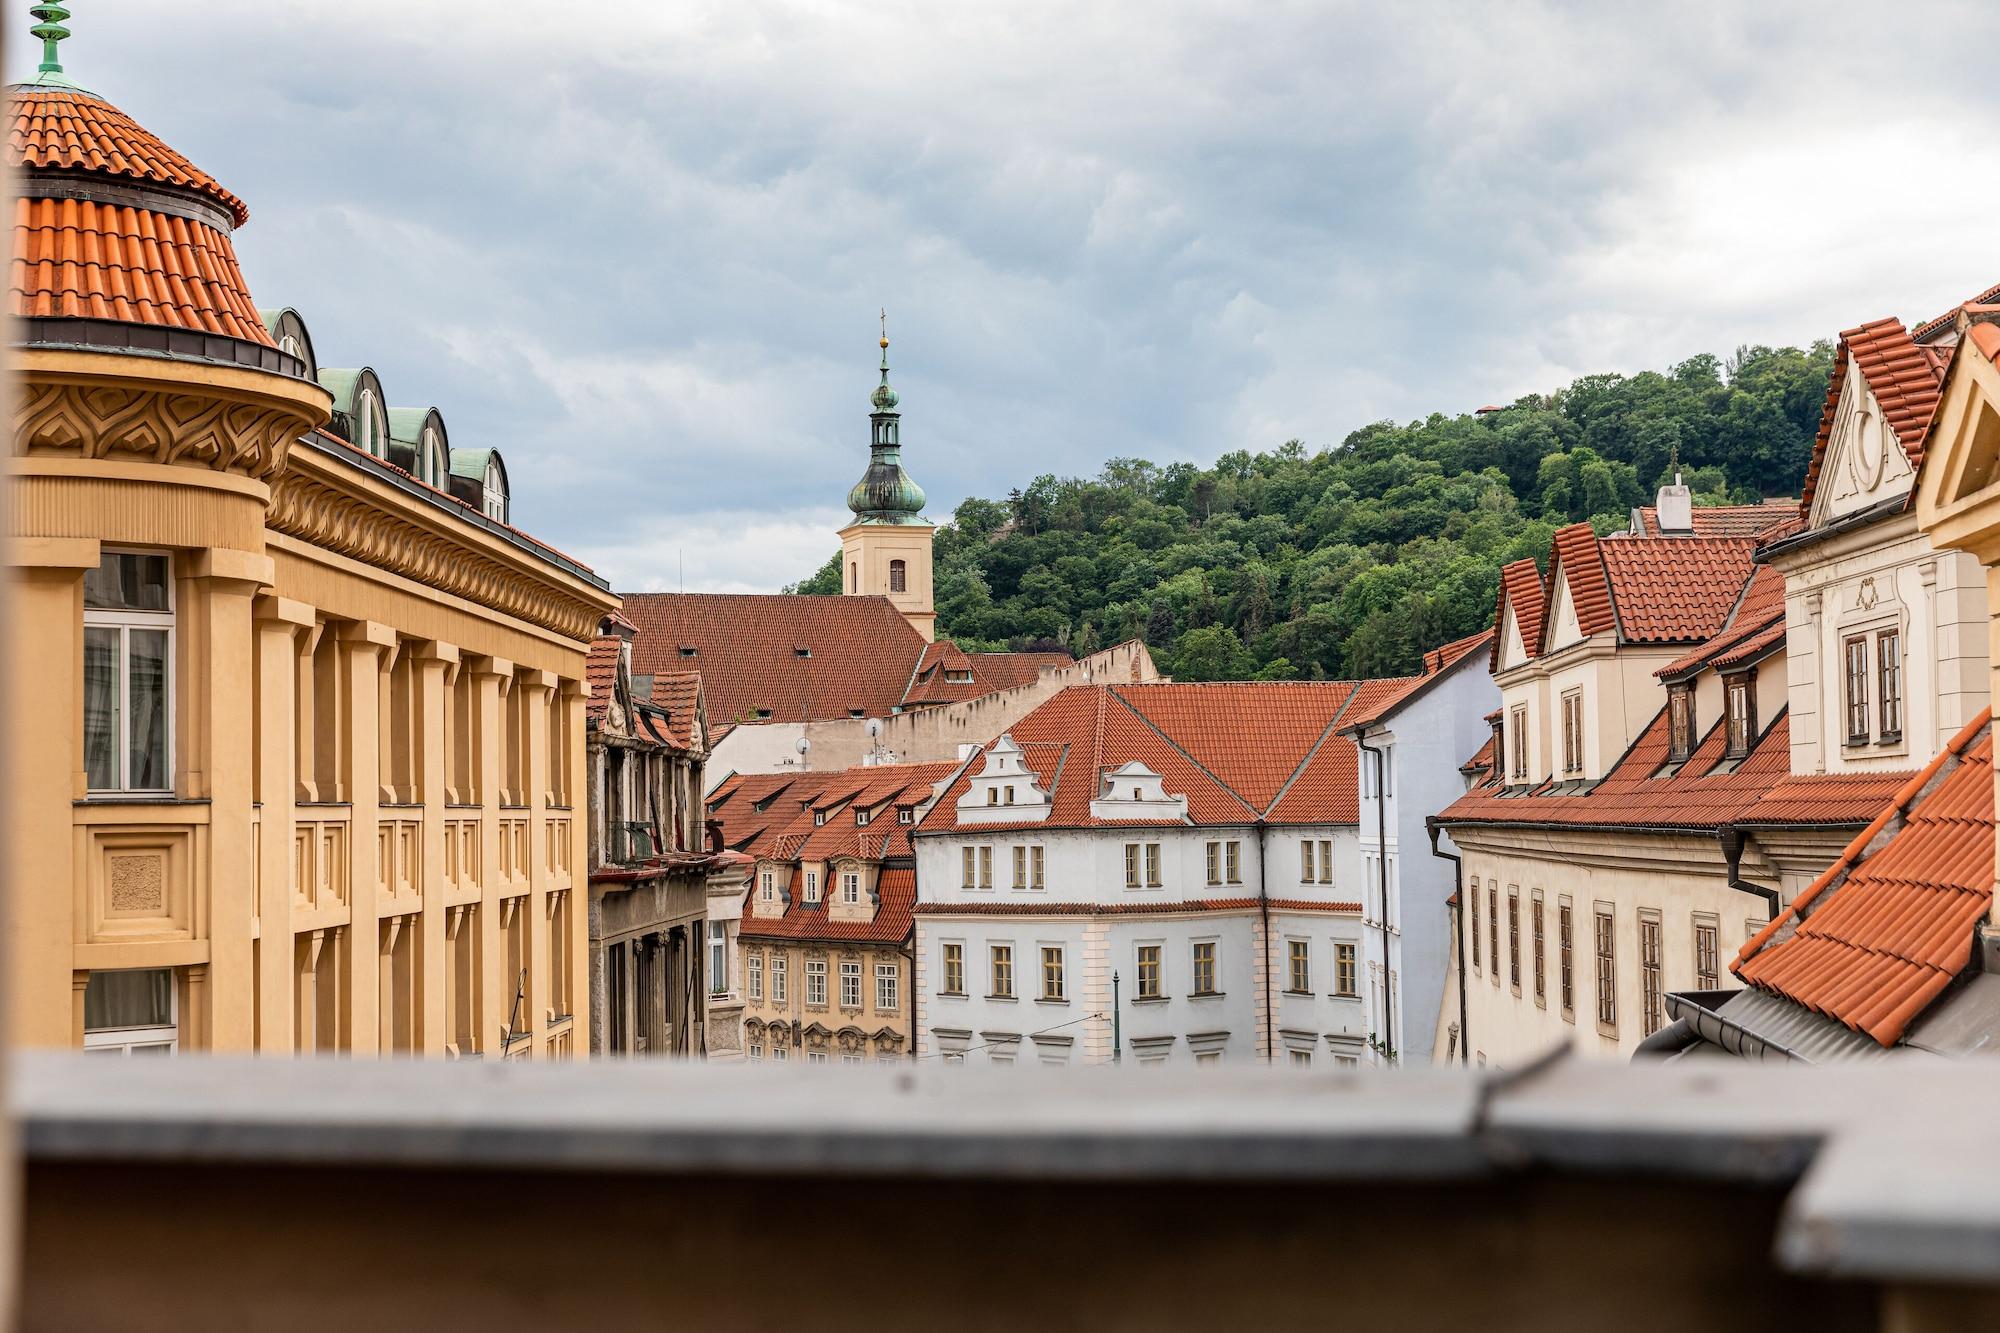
point(898, 579)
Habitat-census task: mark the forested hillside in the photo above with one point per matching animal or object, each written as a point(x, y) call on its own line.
point(1351, 561)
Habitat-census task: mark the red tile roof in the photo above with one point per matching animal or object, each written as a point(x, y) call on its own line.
point(859, 654)
point(600, 672)
point(70, 130)
point(679, 692)
point(1757, 622)
point(1826, 798)
point(1938, 323)
point(1727, 520)
point(1574, 558)
point(1678, 590)
point(1520, 588)
point(1635, 794)
point(1904, 378)
point(1391, 695)
point(896, 889)
point(1883, 931)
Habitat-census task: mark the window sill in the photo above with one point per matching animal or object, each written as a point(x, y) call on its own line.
point(951, 995)
point(1343, 995)
point(1288, 991)
point(1010, 999)
point(1150, 999)
point(1206, 994)
point(1047, 1000)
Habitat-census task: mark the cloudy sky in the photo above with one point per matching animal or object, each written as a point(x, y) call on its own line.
point(640, 245)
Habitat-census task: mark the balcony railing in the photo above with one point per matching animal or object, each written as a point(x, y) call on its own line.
point(632, 842)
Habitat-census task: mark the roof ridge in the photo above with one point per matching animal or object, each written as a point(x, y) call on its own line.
point(1129, 707)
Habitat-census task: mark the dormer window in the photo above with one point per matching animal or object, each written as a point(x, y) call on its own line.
point(369, 426)
point(960, 677)
point(1741, 693)
point(689, 650)
point(819, 817)
point(431, 462)
point(1680, 722)
point(906, 815)
point(855, 712)
point(763, 714)
point(860, 818)
point(1517, 740)
point(803, 651)
point(494, 500)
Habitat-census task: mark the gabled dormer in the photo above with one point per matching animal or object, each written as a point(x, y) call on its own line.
point(1005, 790)
point(1563, 629)
point(1133, 791)
point(851, 890)
point(1865, 462)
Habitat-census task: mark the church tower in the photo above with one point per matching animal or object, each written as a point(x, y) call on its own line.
point(886, 550)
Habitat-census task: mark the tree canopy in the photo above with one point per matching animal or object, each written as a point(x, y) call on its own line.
point(1352, 561)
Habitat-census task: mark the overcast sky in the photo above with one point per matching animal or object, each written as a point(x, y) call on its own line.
point(640, 246)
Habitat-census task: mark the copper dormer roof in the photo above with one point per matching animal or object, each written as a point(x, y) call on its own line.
point(120, 241)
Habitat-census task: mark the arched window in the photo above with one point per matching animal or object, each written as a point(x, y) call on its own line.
point(853, 577)
point(897, 579)
point(496, 492)
point(431, 467)
point(370, 426)
point(289, 345)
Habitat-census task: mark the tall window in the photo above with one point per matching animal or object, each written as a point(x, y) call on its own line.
point(1131, 865)
point(1707, 950)
point(1566, 957)
point(369, 425)
point(888, 979)
point(1856, 650)
point(816, 982)
point(1742, 694)
point(779, 968)
point(968, 861)
point(1003, 971)
point(954, 969)
point(1517, 734)
point(1493, 924)
point(1573, 731)
point(812, 886)
point(718, 960)
point(1343, 971)
point(1038, 867)
point(128, 626)
point(1889, 665)
point(1607, 969)
point(1298, 966)
point(1514, 938)
point(850, 887)
point(1651, 990)
point(1539, 943)
point(1232, 862)
point(1020, 867)
point(1204, 967)
point(1149, 971)
point(985, 867)
point(1152, 865)
point(1052, 973)
point(431, 465)
point(753, 976)
point(131, 1013)
point(494, 492)
point(1307, 871)
point(1472, 896)
point(898, 577)
point(1680, 722)
point(850, 985)
point(1326, 860)
point(1214, 863)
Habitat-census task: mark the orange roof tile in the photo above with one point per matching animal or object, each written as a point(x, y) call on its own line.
point(1939, 323)
point(1635, 793)
point(600, 672)
point(989, 672)
point(896, 889)
point(1883, 931)
point(1393, 694)
point(1727, 520)
point(1520, 588)
point(1574, 557)
point(71, 130)
point(679, 692)
point(1904, 378)
point(1826, 798)
point(1675, 591)
point(1757, 622)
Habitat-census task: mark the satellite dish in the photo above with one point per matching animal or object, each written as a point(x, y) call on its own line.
point(874, 728)
point(803, 745)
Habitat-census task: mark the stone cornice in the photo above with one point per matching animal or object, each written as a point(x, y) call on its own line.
point(133, 408)
point(343, 510)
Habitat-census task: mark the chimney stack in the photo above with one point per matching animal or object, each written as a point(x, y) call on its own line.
point(1675, 507)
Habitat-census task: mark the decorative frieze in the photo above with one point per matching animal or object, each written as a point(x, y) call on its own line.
point(140, 421)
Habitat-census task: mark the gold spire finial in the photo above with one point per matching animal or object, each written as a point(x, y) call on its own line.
point(885, 329)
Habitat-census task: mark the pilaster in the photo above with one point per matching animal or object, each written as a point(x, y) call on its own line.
point(363, 645)
point(282, 626)
point(435, 663)
point(489, 674)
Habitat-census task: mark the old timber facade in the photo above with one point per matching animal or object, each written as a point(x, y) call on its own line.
point(297, 717)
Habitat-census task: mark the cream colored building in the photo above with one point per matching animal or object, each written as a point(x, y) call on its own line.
point(296, 737)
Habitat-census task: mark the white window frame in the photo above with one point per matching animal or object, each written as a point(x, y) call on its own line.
point(850, 971)
point(850, 886)
point(718, 963)
point(888, 986)
point(153, 1037)
point(125, 621)
point(493, 493)
point(753, 976)
point(816, 983)
point(780, 979)
point(1059, 994)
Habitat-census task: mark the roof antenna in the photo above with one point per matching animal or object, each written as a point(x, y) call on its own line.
point(51, 31)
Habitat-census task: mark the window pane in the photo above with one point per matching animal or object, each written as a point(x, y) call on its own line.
point(127, 581)
point(101, 736)
point(136, 999)
point(147, 659)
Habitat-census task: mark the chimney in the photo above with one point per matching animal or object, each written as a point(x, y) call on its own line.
point(1676, 509)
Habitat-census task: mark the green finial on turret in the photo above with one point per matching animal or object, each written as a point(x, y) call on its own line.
point(51, 31)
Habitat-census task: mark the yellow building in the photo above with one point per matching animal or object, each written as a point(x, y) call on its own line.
point(295, 717)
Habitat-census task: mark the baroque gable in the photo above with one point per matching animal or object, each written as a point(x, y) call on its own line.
point(1865, 460)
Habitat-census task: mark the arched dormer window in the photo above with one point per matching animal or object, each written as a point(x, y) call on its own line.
point(372, 431)
point(494, 499)
point(289, 345)
point(288, 331)
point(898, 577)
point(432, 464)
